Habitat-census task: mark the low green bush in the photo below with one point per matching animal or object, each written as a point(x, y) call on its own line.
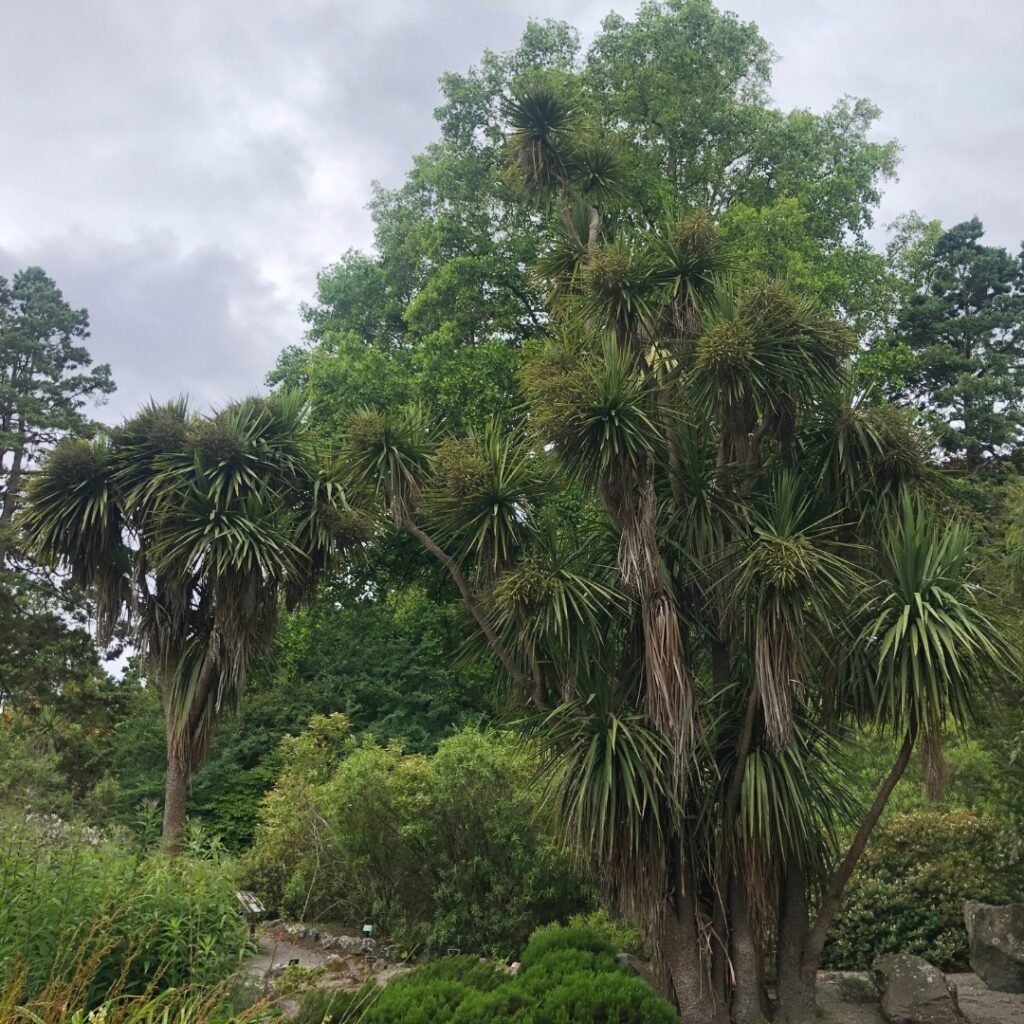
point(75, 905)
point(625, 937)
point(452, 849)
point(908, 892)
point(567, 976)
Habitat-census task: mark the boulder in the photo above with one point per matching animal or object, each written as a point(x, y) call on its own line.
point(996, 936)
point(914, 992)
point(637, 968)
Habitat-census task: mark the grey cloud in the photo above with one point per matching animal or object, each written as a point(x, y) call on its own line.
point(184, 168)
point(169, 321)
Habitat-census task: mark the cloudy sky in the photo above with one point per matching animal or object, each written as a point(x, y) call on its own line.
point(184, 167)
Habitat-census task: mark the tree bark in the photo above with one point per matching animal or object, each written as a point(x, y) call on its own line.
point(796, 985)
point(833, 895)
point(175, 795)
point(749, 999)
point(687, 968)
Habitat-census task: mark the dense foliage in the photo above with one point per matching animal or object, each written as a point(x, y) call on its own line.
point(909, 890)
point(122, 916)
point(389, 664)
point(440, 851)
point(957, 341)
point(566, 975)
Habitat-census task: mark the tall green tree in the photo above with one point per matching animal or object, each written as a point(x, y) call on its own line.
point(443, 309)
point(192, 530)
point(46, 383)
point(961, 332)
point(700, 561)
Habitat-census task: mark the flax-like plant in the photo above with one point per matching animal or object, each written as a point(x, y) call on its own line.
point(795, 581)
point(612, 782)
point(540, 118)
point(485, 489)
point(927, 640)
point(192, 530)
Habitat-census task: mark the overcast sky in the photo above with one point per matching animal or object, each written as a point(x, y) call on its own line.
point(184, 167)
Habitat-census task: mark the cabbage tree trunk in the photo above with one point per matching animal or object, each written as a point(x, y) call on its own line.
point(175, 796)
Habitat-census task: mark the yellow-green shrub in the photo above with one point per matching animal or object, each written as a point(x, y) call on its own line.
point(439, 851)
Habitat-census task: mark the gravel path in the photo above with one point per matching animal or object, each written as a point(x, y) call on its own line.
point(274, 952)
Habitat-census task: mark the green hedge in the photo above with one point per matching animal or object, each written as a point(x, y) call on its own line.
point(567, 976)
point(445, 850)
point(75, 904)
point(908, 892)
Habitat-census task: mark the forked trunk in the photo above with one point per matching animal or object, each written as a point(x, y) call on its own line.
point(687, 968)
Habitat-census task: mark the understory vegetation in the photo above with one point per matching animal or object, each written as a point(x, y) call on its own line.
point(101, 915)
point(566, 974)
point(441, 851)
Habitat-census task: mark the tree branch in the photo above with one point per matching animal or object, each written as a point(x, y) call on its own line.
point(833, 894)
point(472, 603)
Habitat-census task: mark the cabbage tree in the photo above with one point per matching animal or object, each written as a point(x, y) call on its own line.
point(194, 531)
point(701, 561)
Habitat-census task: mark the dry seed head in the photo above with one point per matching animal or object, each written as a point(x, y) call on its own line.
point(695, 233)
point(785, 563)
point(460, 468)
point(366, 430)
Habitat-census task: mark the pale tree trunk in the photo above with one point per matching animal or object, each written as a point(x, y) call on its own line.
point(175, 796)
point(749, 999)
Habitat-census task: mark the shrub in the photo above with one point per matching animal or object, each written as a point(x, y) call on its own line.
point(908, 892)
point(440, 851)
point(625, 937)
point(569, 976)
point(556, 939)
point(76, 905)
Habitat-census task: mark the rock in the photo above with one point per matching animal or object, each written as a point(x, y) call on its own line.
point(636, 967)
point(336, 964)
point(914, 992)
point(996, 936)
